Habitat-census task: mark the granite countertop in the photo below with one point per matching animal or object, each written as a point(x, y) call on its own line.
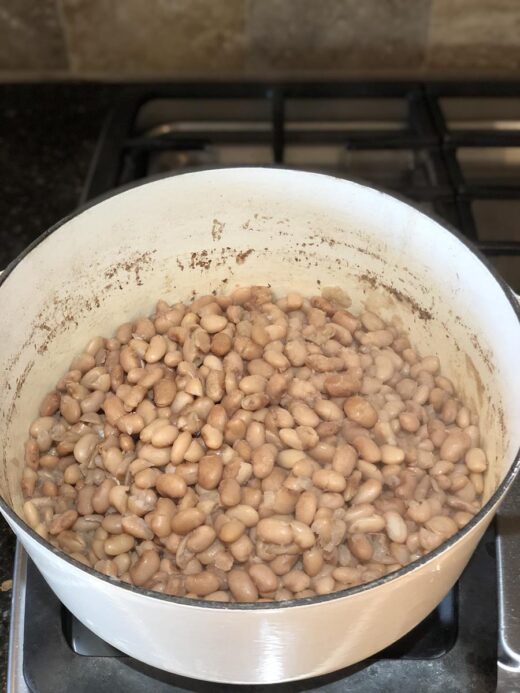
point(48, 133)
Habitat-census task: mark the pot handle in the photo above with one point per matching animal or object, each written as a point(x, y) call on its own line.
point(508, 570)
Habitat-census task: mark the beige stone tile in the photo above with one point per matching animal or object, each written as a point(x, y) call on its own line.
point(154, 36)
point(474, 34)
point(31, 36)
point(337, 35)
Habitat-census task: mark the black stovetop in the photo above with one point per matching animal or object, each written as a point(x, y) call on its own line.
point(454, 149)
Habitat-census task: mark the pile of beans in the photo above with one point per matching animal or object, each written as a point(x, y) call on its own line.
point(243, 448)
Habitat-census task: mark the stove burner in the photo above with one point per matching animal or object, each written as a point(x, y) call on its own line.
point(452, 651)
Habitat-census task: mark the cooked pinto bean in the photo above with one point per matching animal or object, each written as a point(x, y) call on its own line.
point(248, 448)
point(360, 411)
point(242, 586)
point(146, 565)
point(264, 578)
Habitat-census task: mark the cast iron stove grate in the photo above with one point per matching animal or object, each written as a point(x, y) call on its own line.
point(452, 148)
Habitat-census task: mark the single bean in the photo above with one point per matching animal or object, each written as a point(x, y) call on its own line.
point(296, 581)
point(101, 496)
point(476, 460)
point(455, 446)
point(118, 497)
point(229, 491)
point(359, 410)
point(112, 523)
point(395, 527)
point(210, 471)
point(231, 531)
point(84, 501)
point(242, 586)
point(263, 459)
point(441, 524)
point(31, 514)
point(313, 561)
point(367, 448)
point(282, 563)
point(156, 350)
point(180, 447)
point(242, 549)
point(392, 454)
point(213, 323)
point(120, 543)
point(171, 485)
point(164, 392)
point(373, 523)
point(245, 514)
point(264, 578)
point(187, 520)
point(360, 547)
point(288, 458)
point(145, 567)
point(329, 480)
point(304, 415)
point(204, 583)
point(322, 452)
point(212, 437)
point(324, 585)
point(274, 531)
point(276, 359)
point(327, 410)
point(70, 409)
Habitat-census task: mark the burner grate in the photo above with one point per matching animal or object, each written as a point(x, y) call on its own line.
point(454, 149)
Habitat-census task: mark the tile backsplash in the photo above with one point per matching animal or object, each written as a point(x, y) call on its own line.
point(31, 36)
point(228, 38)
point(336, 34)
point(154, 36)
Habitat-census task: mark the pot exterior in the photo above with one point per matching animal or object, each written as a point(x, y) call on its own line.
point(260, 645)
point(213, 231)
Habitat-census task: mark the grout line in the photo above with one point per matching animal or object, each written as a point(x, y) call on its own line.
point(375, 75)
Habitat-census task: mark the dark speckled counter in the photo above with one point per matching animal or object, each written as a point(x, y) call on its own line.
point(48, 133)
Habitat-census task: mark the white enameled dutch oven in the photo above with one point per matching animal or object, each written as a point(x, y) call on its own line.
point(215, 230)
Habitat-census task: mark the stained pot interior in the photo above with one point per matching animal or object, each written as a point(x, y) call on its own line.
point(192, 234)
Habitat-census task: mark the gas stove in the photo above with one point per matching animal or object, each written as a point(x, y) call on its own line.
point(454, 150)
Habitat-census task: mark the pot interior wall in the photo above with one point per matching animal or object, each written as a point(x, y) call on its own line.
point(212, 231)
